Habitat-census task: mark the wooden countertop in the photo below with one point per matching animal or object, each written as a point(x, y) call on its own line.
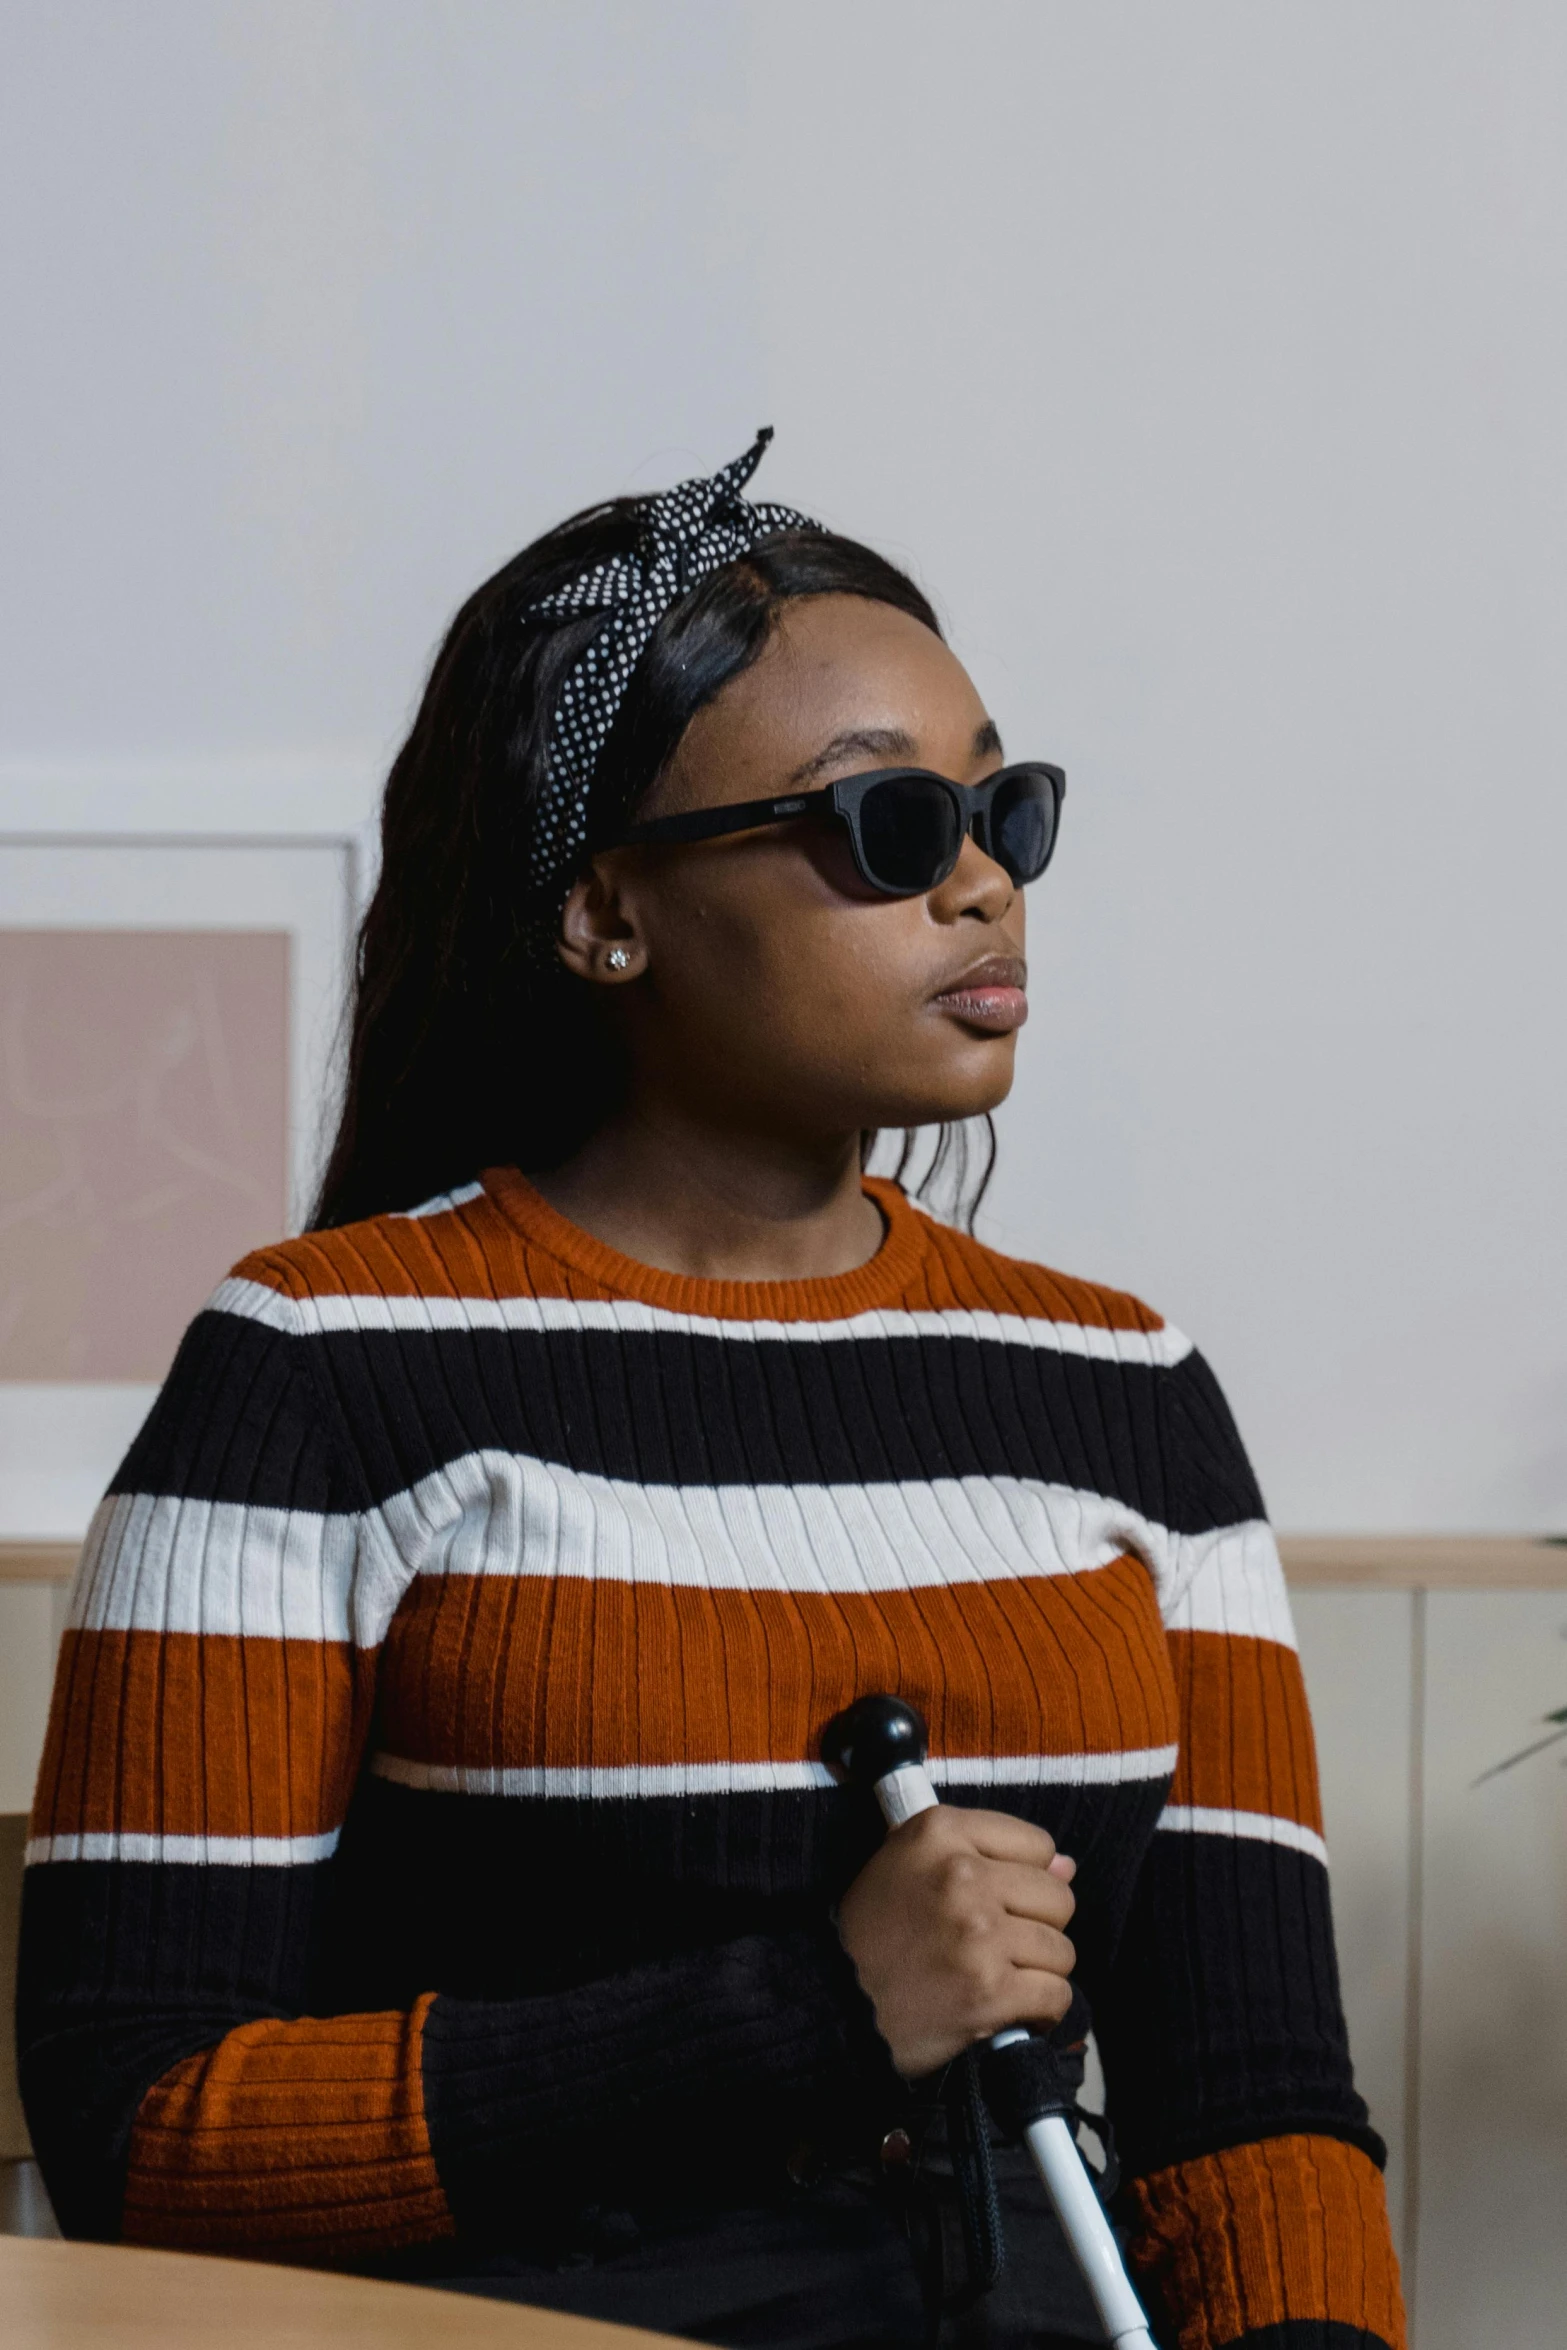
point(38, 1562)
point(1425, 1562)
point(57, 2296)
point(1368, 1562)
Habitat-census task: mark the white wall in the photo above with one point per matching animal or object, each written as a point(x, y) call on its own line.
point(1209, 364)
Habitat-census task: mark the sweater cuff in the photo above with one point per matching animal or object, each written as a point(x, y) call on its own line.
point(1281, 2245)
point(694, 2073)
point(1310, 2333)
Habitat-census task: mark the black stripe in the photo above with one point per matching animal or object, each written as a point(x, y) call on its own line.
point(666, 1408)
point(496, 1897)
point(126, 1967)
point(242, 1418)
point(681, 2078)
point(1208, 1469)
point(1219, 2019)
point(1221, 2023)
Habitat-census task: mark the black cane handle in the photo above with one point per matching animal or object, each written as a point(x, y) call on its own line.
point(873, 1736)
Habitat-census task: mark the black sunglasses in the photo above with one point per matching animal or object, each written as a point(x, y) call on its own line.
point(906, 826)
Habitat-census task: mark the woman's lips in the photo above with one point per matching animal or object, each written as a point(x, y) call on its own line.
point(990, 996)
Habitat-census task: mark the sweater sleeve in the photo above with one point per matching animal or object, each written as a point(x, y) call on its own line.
point(1255, 2194)
point(211, 1706)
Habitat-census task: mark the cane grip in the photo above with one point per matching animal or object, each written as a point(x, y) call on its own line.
point(873, 1737)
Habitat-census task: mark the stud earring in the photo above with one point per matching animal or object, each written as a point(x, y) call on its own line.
point(618, 959)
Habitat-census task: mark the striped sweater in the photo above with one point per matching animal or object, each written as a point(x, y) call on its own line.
point(430, 1829)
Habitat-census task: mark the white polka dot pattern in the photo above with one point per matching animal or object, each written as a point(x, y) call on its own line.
point(687, 532)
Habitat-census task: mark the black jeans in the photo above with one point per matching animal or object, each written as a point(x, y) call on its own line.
point(825, 2268)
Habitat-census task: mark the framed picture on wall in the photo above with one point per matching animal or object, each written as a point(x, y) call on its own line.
point(169, 1015)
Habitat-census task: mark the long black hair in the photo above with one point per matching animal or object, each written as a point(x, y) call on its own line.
point(468, 1047)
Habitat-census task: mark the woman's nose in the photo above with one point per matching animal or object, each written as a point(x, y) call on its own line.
point(977, 885)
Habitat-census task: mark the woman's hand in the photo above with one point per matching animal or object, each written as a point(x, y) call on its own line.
point(955, 1930)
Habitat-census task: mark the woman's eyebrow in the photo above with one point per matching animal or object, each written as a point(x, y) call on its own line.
point(885, 742)
point(875, 742)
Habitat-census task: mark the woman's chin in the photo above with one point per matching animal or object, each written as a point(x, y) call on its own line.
point(973, 1095)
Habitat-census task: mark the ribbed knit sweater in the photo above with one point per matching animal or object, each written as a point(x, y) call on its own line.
point(431, 1839)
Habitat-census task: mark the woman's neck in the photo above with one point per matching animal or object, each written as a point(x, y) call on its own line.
point(718, 1206)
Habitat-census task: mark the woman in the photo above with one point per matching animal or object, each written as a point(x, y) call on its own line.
point(432, 1865)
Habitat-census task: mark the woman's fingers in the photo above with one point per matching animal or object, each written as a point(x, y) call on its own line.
point(1037, 1947)
point(1033, 1997)
point(1032, 1893)
point(996, 1835)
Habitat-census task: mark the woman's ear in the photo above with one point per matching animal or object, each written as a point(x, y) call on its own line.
point(598, 938)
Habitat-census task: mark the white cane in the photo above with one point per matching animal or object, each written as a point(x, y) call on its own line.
point(881, 1743)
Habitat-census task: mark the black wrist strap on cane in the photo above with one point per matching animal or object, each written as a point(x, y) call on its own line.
point(957, 2097)
point(1031, 2079)
point(1025, 2082)
point(974, 2175)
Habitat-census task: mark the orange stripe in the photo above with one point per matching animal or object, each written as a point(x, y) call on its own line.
point(209, 1734)
point(520, 1672)
point(515, 1245)
point(187, 1734)
point(469, 1252)
point(961, 1272)
point(299, 2141)
point(1246, 1742)
point(1258, 2235)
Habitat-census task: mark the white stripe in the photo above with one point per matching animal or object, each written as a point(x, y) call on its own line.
point(602, 1783)
point(171, 1566)
point(1231, 1582)
point(155, 1563)
point(1201, 1819)
point(1054, 1770)
point(316, 1317)
point(443, 1202)
point(495, 1513)
point(235, 1852)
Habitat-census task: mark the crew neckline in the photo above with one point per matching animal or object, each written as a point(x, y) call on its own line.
point(880, 1281)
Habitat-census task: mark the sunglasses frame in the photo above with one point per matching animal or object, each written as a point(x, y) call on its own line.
point(843, 800)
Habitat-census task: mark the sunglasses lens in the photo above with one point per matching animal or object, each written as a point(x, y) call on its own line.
point(911, 833)
point(1023, 826)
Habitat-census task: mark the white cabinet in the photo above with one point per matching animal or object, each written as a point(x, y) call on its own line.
point(1356, 1650)
point(1451, 1902)
point(1493, 1992)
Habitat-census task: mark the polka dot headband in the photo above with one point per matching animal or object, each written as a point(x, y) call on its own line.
point(686, 532)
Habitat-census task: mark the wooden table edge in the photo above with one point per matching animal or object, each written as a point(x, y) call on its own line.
point(56, 2295)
